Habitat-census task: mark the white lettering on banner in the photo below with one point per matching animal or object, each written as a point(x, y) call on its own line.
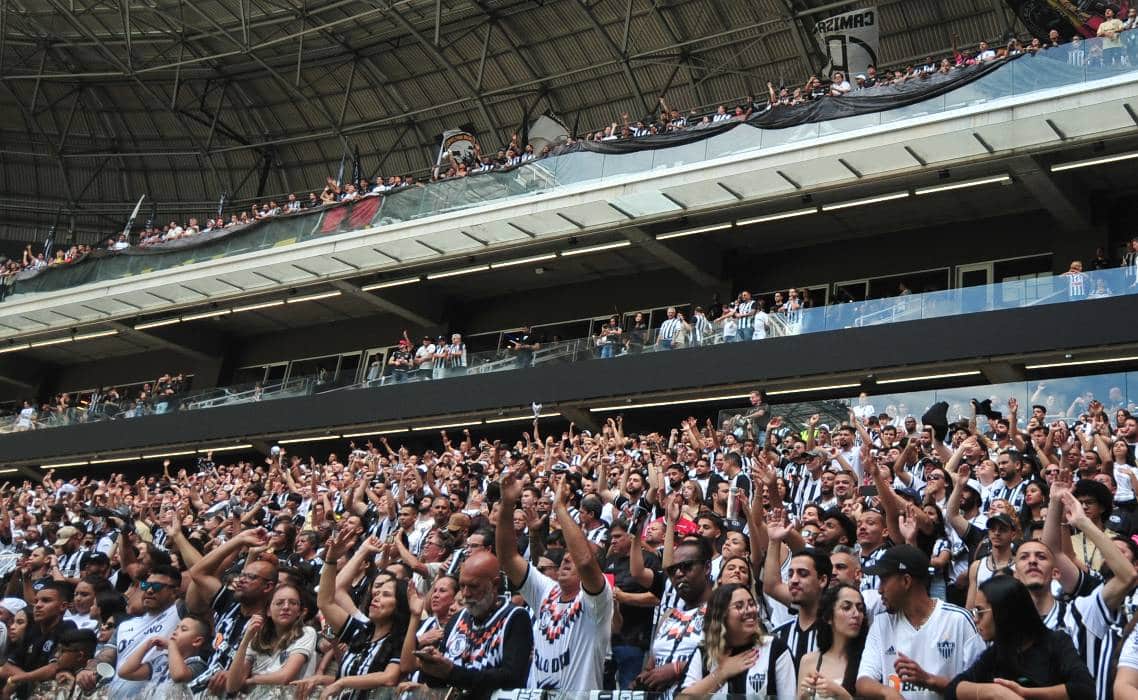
point(553, 665)
point(851, 41)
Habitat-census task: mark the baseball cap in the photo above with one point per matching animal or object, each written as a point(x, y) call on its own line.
point(819, 453)
point(65, 533)
point(901, 559)
point(1003, 519)
point(94, 558)
point(458, 522)
point(13, 605)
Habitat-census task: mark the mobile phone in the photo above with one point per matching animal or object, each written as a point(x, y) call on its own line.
point(867, 491)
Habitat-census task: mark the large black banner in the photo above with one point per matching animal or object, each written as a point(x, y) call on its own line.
point(1069, 17)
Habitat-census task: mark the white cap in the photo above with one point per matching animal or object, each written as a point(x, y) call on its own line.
point(13, 605)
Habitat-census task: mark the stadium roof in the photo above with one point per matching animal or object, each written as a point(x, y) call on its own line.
point(105, 100)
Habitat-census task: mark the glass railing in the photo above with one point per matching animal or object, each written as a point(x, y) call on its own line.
point(1052, 68)
point(689, 334)
point(1067, 399)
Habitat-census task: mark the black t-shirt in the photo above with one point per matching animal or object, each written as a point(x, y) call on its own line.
point(228, 627)
point(637, 628)
point(37, 648)
point(1120, 522)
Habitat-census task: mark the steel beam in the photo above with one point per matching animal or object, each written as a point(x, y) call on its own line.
point(382, 304)
point(671, 258)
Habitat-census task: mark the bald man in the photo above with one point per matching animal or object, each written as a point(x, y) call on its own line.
point(486, 647)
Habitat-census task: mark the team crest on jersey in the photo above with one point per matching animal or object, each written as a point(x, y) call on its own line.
point(456, 646)
point(757, 682)
point(946, 649)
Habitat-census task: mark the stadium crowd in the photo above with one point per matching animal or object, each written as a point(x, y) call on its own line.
point(993, 556)
point(1118, 47)
point(64, 408)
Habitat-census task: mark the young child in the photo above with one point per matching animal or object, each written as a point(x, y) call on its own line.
point(177, 661)
point(75, 648)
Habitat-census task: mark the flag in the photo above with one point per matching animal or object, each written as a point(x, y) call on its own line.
point(1067, 16)
point(458, 143)
point(850, 41)
point(546, 131)
point(357, 171)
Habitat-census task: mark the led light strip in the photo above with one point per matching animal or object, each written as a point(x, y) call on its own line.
point(112, 460)
point(156, 324)
point(206, 314)
point(932, 189)
point(777, 216)
point(63, 465)
point(1092, 161)
point(925, 377)
point(803, 390)
point(491, 421)
point(653, 404)
point(694, 231)
point(224, 448)
point(459, 271)
point(391, 283)
point(164, 455)
point(312, 438)
point(862, 202)
point(1075, 363)
point(313, 297)
point(262, 305)
point(596, 248)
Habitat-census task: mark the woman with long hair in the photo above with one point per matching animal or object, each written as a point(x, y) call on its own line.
point(1036, 495)
point(275, 651)
point(373, 639)
point(831, 672)
point(692, 497)
point(1003, 532)
point(1022, 652)
point(737, 655)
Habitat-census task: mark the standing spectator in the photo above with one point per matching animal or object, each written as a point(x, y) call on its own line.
point(917, 645)
point(524, 344)
point(831, 671)
point(638, 334)
point(1129, 262)
point(401, 361)
point(231, 606)
point(424, 358)
point(608, 339)
point(1022, 653)
point(761, 665)
point(679, 632)
point(1110, 31)
point(669, 330)
point(1078, 285)
point(573, 615)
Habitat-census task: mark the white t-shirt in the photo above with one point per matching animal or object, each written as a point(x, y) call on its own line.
point(758, 681)
point(129, 635)
point(269, 663)
point(945, 645)
point(570, 640)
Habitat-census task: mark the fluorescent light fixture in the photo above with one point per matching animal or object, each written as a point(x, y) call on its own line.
point(828, 387)
point(8, 471)
point(389, 283)
point(225, 448)
point(163, 455)
point(998, 179)
point(523, 261)
point(694, 231)
point(520, 418)
point(207, 314)
point(926, 377)
point(372, 433)
point(156, 324)
point(474, 421)
point(623, 407)
point(459, 271)
point(1060, 167)
point(97, 334)
point(1074, 363)
point(262, 305)
point(111, 460)
point(776, 216)
point(314, 297)
point(863, 202)
point(64, 465)
point(53, 341)
point(596, 248)
point(311, 438)
point(14, 348)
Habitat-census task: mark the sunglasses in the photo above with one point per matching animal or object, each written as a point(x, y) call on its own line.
point(152, 586)
point(682, 567)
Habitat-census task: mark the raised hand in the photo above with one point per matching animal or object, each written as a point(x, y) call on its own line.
point(253, 626)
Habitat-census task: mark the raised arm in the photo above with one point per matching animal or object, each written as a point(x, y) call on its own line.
point(204, 581)
point(1115, 590)
point(580, 550)
point(335, 615)
point(506, 547)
